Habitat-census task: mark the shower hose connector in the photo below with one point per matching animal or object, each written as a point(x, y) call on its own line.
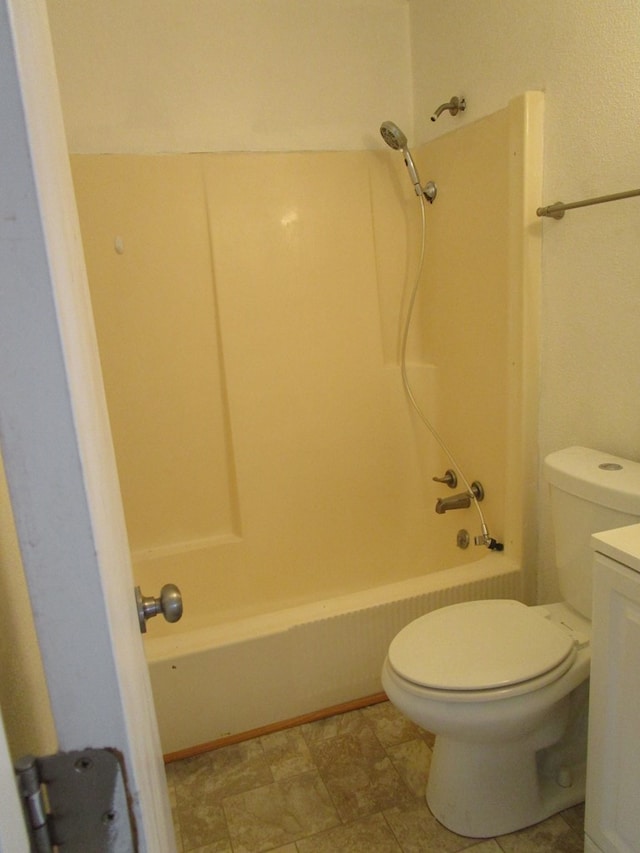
point(491, 543)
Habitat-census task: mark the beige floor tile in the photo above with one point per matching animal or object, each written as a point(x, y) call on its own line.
point(171, 790)
point(178, 838)
point(358, 774)
point(412, 760)
point(188, 769)
point(353, 783)
point(170, 772)
point(391, 727)
point(223, 846)
point(287, 753)
point(200, 784)
point(202, 822)
point(340, 724)
point(239, 768)
point(359, 745)
point(553, 835)
point(176, 830)
point(368, 835)
point(575, 818)
point(418, 831)
point(280, 813)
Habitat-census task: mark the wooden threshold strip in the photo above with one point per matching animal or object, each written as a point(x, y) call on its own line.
point(343, 708)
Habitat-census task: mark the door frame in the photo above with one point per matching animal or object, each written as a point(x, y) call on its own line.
point(55, 438)
point(13, 834)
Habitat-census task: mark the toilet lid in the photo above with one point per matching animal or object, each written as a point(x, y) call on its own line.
point(478, 645)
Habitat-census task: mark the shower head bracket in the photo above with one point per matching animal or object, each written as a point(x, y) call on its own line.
point(430, 191)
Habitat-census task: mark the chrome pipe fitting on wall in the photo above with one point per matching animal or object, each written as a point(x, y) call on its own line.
point(450, 478)
point(454, 106)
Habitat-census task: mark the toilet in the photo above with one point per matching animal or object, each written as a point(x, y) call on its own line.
point(503, 686)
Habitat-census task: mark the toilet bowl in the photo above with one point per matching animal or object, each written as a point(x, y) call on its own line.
point(504, 687)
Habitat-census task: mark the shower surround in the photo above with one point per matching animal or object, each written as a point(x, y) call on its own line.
point(247, 309)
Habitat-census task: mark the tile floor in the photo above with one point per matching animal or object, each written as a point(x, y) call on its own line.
point(353, 783)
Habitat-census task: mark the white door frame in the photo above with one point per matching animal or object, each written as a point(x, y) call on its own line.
point(13, 834)
point(55, 437)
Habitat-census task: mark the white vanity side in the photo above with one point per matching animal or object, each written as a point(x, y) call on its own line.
point(612, 822)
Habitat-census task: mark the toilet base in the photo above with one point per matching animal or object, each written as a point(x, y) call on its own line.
point(502, 764)
point(484, 790)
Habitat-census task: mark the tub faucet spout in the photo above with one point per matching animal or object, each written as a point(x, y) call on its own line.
point(461, 501)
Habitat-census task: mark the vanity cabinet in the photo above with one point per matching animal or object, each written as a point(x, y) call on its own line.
point(613, 769)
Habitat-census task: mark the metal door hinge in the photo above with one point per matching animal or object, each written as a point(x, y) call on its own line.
point(76, 801)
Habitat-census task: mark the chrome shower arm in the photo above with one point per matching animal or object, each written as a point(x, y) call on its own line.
point(455, 105)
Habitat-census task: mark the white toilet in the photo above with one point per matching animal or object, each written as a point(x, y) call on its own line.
point(503, 686)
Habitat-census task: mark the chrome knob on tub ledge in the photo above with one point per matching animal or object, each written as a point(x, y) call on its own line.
point(169, 604)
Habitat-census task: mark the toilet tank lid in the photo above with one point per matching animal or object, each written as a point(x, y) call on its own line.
point(598, 477)
point(479, 645)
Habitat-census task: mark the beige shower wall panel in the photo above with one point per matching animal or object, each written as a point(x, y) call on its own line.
point(146, 245)
point(465, 299)
point(247, 324)
point(397, 234)
point(330, 483)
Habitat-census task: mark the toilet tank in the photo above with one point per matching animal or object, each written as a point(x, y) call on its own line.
point(590, 492)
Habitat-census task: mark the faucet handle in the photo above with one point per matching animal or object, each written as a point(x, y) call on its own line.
point(450, 479)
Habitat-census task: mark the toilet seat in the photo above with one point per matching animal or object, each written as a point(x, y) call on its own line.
point(482, 650)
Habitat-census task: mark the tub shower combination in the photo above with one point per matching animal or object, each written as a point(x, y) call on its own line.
point(353, 500)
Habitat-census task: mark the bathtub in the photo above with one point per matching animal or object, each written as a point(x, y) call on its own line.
point(218, 684)
point(309, 478)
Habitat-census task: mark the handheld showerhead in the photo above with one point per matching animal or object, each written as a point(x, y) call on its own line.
point(393, 136)
point(396, 139)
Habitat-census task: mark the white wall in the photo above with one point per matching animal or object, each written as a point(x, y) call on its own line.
point(231, 75)
point(585, 56)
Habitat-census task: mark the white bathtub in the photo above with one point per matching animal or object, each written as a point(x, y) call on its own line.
point(230, 679)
